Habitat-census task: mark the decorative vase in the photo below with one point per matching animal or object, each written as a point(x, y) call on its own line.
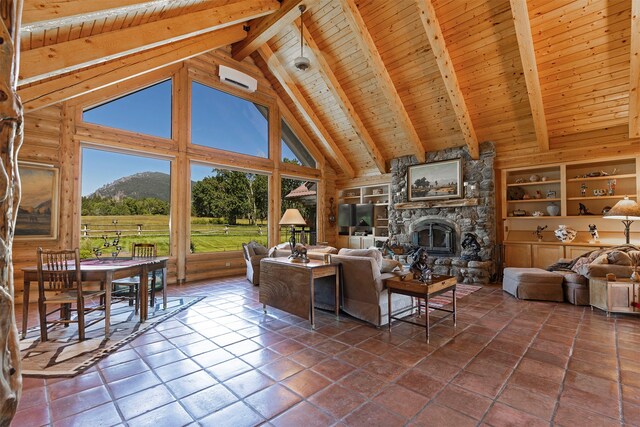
point(565, 234)
point(553, 209)
point(635, 276)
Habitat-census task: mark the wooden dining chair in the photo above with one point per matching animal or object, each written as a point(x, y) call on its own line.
point(132, 293)
point(60, 283)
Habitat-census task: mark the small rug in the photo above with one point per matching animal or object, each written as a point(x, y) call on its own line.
point(447, 297)
point(63, 355)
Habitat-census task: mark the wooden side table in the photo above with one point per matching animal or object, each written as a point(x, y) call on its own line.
point(614, 296)
point(290, 286)
point(405, 286)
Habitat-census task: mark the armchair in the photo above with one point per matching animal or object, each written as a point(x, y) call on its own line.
point(253, 252)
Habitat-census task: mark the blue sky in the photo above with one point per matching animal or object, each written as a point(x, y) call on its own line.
point(219, 120)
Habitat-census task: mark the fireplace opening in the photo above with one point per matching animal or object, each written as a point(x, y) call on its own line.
point(437, 238)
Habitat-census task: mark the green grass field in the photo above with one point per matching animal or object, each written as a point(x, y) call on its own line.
point(207, 234)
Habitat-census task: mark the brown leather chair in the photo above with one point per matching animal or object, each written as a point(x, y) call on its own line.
point(59, 273)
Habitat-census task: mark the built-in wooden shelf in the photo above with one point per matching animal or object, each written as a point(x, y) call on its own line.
point(524, 184)
point(533, 200)
point(632, 196)
point(602, 178)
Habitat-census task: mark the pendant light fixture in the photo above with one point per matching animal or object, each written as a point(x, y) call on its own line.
point(302, 63)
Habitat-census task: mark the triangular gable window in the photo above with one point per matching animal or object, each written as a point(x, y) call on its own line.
point(146, 111)
point(294, 149)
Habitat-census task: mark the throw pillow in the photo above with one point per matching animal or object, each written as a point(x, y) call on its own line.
point(389, 265)
point(322, 249)
point(371, 253)
point(619, 258)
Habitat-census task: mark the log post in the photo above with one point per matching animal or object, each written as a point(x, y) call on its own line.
point(11, 120)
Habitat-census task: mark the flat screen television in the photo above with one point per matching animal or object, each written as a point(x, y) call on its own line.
point(364, 215)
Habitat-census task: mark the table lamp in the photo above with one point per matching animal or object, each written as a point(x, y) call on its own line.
point(627, 211)
point(292, 217)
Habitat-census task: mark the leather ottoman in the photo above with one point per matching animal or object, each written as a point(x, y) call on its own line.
point(533, 283)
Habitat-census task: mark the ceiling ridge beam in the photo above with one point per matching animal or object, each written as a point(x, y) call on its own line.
point(343, 100)
point(48, 61)
point(72, 85)
point(264, 29)
point(522, 24)
point(369, 49)
point(634, 83)
point(281, 74)
point(448, 73)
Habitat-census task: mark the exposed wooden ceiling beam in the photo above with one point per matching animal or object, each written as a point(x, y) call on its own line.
point(71, 85)
point(522, 24)
point(443, 59)
point(634, 86)
point(281, 74)
point(49, 13)
point(343, 100)
point(263, 29)
point(48, 61)
point(368, 47)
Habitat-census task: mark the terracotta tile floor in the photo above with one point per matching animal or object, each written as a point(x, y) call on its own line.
point(222, 363)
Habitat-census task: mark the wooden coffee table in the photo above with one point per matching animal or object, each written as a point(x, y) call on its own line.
point(405, 285)
point(290, 286)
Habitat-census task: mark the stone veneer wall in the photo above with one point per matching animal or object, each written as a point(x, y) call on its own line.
point(479, 220)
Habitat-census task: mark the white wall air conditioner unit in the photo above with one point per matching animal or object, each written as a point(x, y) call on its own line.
point(237, 79)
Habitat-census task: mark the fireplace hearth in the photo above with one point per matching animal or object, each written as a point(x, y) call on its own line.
point(437, 237)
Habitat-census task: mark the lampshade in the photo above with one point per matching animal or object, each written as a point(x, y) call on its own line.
point(292, 217)
point(625, 209)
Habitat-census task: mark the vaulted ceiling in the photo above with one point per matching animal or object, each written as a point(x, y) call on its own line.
point(541, 78)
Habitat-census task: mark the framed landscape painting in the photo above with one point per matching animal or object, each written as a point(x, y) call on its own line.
point(38, 211)
point(434, 181)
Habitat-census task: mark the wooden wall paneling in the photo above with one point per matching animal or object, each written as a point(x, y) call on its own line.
point(368, 48)
point(36, 11)
point(48, 61)
point(634, 73)
point(530, 67)
point(280, 73)
point(343, 100)
point(111, 72)
point(448, 72)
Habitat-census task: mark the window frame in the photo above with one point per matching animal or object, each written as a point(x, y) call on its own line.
point(194, 162)
point(97, 102)
point(173, 191)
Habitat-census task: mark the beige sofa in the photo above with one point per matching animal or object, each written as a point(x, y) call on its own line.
point(364, 295)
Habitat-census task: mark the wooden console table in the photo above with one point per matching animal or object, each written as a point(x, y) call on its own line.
point(405, 286)
point(289, 286)
point(615, 296)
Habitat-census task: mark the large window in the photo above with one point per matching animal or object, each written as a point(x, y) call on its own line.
point(145, 111)
point(293, 149)
point(301, 195)
point(229, 123)
point(228, 208)
point(125, 200)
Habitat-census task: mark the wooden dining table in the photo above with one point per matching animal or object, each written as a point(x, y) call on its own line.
point(105, 271)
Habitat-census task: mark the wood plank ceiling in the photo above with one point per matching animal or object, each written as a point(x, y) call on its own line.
point(387, 78)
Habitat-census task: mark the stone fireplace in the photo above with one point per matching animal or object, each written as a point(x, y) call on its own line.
point(441, 228)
